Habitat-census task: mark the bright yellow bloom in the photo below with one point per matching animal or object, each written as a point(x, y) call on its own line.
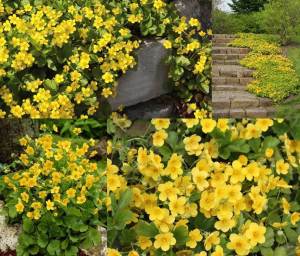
point(239, 244)
point(208, 125)
point(164, 241)
point(159, 138)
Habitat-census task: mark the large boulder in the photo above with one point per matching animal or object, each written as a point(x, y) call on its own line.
point(201, 9)
point(148, 81)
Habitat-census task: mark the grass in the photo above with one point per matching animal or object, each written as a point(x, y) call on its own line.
point(293, 54)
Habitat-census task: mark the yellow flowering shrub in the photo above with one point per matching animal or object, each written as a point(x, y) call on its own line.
point(275, 75)
point(204, 187)
point(62, 59)
point(56, 194)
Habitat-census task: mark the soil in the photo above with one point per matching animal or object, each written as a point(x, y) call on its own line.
point(13, 253)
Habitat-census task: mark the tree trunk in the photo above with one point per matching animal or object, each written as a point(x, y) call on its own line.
point(11, 130)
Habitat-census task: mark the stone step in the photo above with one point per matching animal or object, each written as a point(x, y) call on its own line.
point(231, 80)
point(238, 99)
point(231, 71)
point(222, 40)
point(226, 62)
point(224, 36)
point(229, 87)
point(228, 56)
point(220, 44)
point(230, 50)
point(259, 112)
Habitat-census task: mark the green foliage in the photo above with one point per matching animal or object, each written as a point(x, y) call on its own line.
point(282, 17)
point(232, 23)
point(246, 6)
point(275, 76)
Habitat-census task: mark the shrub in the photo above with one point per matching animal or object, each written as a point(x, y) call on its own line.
point(62, 59)
point(230, 23)
point(275, 76)
point(205, 187)
point(282, 17)
point(56, 195)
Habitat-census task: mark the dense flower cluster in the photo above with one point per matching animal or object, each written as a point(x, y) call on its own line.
point(57, 193)
point(275, 75)
point(204, 187)
point(58, 59)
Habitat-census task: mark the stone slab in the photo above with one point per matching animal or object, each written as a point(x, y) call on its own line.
point(148, 81)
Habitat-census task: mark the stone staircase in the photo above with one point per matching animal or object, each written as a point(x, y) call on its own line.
point(230, 97)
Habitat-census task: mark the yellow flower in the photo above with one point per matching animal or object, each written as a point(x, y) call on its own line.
point(108, 77)
point(113, 252)
point(194, 237)
point(144, 242)
point(160, 123)
point(282, 167)
point(269, 152)
point(159, 138)
point(194, 22)
point(50, 205)
point(208, 125)
point(71, 192)
point(192, 145)
point(164, 241)
point(167, 191)
point(255, 234)
point(133, 253)
point(239, 244)
point(177, 206)
point(264, 124)
point(212, 239)
point(295, 217)
point(167, 44)
point(218, 251)
point(19, 207)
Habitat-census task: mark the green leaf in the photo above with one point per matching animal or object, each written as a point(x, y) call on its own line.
point(28, 225)
point(254, 144)
point(73, 251)
point(181, 235)
point(145, 229)
point(122, 217)
point(53, 247)
point(125, 199)
point(34, 250)
point(270, 142)
point(266, 252)
point(183, 61)
point(172, 139)
point(269, 238)
point(94, 236)
point(280, 251)
point(51, 84)
point(42, 240)
point(291, 235)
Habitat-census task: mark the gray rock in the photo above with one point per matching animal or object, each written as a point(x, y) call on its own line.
point(162, 107)
point(148, 81)
point(201, 9)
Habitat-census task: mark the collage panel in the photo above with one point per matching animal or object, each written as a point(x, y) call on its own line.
point(52, 187)
point(256, 49)
point(208, 187)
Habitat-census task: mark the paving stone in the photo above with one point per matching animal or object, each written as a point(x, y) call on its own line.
point(221, 113)
point(229, 87)
point(265, 102)
point(220, 103)
point(237, 113)
point(256, 112)
point(244, 103)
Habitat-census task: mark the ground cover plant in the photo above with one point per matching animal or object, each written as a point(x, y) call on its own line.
point(62, 59)
point(54, 192)
point(204, 187)
point(275, 75)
